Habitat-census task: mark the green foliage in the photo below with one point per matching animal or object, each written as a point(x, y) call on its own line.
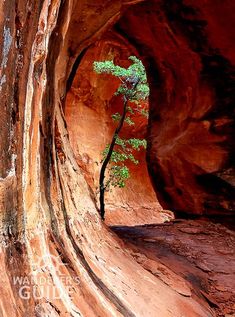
point(133, 79)
point(144, 113)
point(116, 116)
point(120, 156)
point(129, 121)
point(130, 110)
point(134, 88)
point(137, 143)
point(118, 176)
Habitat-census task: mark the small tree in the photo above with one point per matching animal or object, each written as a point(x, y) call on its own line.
point(134, 90)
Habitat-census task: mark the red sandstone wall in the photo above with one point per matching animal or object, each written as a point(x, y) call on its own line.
point(188, 49)
point(88, 109)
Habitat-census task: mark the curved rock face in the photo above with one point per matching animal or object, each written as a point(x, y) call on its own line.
point(57, 257)
point(188, 48)
point(199, 251)
point(89, 105)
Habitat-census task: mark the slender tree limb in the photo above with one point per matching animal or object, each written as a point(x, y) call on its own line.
point(113, 142)
point(108, 157)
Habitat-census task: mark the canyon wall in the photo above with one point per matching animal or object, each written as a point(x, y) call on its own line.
point(57, 257)
point(90, 102)
point(189, 51)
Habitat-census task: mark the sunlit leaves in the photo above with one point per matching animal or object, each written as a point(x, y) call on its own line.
point(116, 116)
point(118, 176)
point(123, 153)
point(137, 143)
point(129, 121)
point(144, 113)
point(133, 79)
point(134, 89)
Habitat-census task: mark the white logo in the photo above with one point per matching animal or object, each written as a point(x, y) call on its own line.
point(40, 285)
point(48, 262)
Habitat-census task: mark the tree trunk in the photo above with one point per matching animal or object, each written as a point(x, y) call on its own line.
point(108, 157)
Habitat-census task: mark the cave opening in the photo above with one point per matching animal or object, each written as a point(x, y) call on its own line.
point(89, 105)
point(51, 234)
point(181, 132)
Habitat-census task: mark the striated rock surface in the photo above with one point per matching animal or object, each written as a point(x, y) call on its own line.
point(191, 257)
point(90, 102)
point(56, 257)
point(188, 49)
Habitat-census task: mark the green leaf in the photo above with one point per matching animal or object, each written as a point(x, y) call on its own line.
point(145, 113)
point(129, 121)
point(134, 87)
point(134, 83)
point(130, 110)
point(118, 157)
point(116, 116)
point(132, 159)
point(137, 143)
point(118, 176)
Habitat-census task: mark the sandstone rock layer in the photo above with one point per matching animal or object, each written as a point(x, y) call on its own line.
point(188, 49)
point(68, 262)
